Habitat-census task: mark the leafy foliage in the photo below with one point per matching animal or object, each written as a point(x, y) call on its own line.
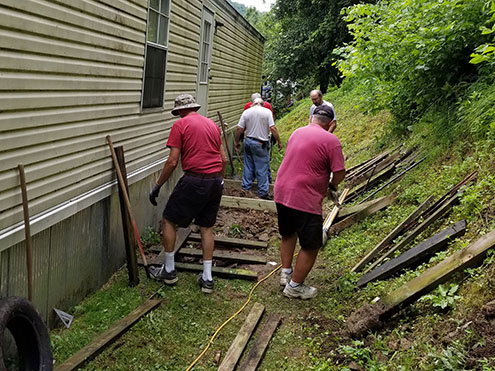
point(443, 297)
point(486, 52)
point(409, 56)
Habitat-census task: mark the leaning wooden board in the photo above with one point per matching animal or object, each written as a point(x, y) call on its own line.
point(415, 254)
point(101, 342)
point(365, 319)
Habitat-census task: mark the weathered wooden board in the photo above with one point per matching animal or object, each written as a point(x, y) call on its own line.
point(416, 254)
point(235, 351)
point(438, 274)
point(364, 176)
point(375, 180)
point(258, 351)
point(248, 203)
point(371, 317)
point(380, 204)
point(394, 234)
point(102, 341)
point(346, 211)
point(225, 255)
point(231, 183)
point(243, 274)
point(441, 211)
point(180, 238)
point(232, 242)
point(365, 165)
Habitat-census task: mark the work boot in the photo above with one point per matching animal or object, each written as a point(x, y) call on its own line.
point(160, 274)
point(266, 197)
point(300, 292)
point(206, 285)
point(285, 279)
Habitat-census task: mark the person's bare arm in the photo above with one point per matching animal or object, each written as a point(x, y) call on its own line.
point(238, 132)
point(275, 134)
point(337, 178)
point(169, 166)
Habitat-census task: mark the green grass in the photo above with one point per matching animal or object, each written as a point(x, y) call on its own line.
point(311, 335)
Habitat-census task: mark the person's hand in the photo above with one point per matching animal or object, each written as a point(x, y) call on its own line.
point(333, 195)
point(280, 146)
point(237, 145)
point(154, 194)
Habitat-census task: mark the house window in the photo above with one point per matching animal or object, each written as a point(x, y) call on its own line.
point(156, 53)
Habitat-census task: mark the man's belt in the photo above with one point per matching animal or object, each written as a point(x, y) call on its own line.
point(203, 175)
point(258, 140)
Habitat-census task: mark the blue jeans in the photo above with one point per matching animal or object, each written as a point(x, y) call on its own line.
point(256, 165)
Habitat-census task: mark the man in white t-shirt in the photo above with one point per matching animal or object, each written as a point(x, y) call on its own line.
point(317, 99)
point(256, 123)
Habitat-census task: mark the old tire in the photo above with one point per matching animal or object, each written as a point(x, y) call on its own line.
point(20, 317)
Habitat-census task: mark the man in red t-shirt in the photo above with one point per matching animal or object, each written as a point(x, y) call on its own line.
point(196, 141)
point(312, 154)
point(255, 96)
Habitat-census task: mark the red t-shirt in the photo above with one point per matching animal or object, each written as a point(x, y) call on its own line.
point(265, 104)
point(312, 153)
point(199, 141)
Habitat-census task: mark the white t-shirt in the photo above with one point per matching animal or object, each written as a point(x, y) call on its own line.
point(313, 107)
point(257, 122)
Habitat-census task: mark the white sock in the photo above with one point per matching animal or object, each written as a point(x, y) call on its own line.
point(287, 270)
point(207, 270)
point(293, 284)
point(169, 261)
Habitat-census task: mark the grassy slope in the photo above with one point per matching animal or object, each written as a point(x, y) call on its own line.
point(310, 335)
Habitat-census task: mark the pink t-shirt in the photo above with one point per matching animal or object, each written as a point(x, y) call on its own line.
point(199, 140)
point(312, 153)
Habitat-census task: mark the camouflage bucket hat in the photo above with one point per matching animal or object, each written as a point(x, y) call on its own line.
point(184, 101)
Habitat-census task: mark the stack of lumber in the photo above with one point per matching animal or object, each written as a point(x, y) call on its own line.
point(409, 229)
point(223, 253)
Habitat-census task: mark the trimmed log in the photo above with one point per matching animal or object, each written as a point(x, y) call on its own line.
point(235, 351)
point(416, 254)
point(394, 234)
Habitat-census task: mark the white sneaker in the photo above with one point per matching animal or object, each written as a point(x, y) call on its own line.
point(300, 292)
point(285, 279)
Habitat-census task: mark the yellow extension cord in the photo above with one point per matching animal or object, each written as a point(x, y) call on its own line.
point(232, 317)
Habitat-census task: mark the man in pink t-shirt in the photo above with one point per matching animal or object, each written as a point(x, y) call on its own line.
point(303, 180)
point(255, 96)
point(197, 142)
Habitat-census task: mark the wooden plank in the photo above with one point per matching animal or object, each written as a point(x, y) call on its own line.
point(441, 211)
point(438, 274)
point(377, 179)
point(231, 183)
point(105, 339)
point(181, 237)
point(360, 178)
point(380, 204)
point(259, 347)
point(352, 171)
point(248, 203)
point(346, 211)
point(371, 317)
point(331, 217)
point(242, 338)
point(231, 242)
point(225, 255)
point(242, 274)
point(394, 234)
point(416, 254)
point(129, 236)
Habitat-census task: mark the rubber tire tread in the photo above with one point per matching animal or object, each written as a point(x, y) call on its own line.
point(31, 336)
